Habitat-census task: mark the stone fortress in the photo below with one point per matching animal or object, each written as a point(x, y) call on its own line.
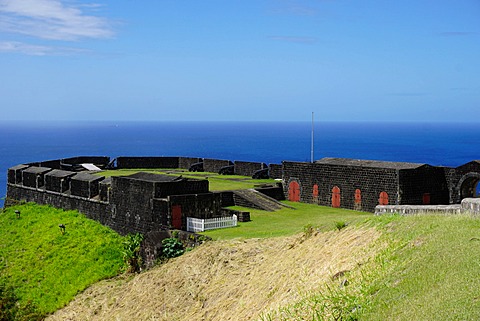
point(145, 202)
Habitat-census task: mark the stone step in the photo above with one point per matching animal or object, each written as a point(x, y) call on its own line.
point(258, 200)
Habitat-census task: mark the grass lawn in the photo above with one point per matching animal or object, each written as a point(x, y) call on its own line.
point(288, 221)
point(217, 182)
point(48, 268)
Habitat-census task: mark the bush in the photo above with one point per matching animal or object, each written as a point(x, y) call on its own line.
point(131, 252)
point(172, 247)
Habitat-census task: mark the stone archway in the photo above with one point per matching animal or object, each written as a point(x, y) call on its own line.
point(467, 186)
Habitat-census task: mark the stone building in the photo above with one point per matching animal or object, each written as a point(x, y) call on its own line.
point(364, 184)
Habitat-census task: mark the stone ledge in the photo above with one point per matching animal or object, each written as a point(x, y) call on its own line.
point(418, 209)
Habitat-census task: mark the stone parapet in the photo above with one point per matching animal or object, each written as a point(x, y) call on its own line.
point(417, 209)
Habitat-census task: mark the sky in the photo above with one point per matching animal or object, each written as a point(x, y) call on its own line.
point(240, 60)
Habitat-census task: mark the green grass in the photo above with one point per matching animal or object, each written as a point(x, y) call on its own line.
point(427, 268)
point(216, 182)
point(49, 268)
point(288, 221)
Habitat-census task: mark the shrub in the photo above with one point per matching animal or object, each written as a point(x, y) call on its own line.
point(172, 247)
point(340, 225)
point(131, 252)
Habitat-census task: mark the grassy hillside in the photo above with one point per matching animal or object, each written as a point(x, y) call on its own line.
point(46, 267)
point(377, 268)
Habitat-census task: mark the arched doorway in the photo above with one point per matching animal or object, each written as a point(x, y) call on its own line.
point(358, 200)
point(315, 194)
point(468, 186)
point(294, 191)
point(335, 196)
point(383, 199)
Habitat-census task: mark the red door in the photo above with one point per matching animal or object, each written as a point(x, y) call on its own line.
point(335, 196)
point(177, 217)
point(426, 198)
point(315, 193)
point(294, 191)
point(383, 199)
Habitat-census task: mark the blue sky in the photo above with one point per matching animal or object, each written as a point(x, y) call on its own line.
point(280, 60)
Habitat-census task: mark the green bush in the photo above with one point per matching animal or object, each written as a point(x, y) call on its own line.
point(172, 247)
point(131, 252)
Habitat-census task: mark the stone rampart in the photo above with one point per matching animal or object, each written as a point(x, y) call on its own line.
point(247, 168)
point(214, 165)
point(147, 162)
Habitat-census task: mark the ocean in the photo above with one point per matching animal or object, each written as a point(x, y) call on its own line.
point(446, 144)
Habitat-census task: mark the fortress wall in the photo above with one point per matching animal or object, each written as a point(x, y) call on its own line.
point(55, 164)
point(186, 162)
point(58, 180)
point(97, 160)
point(85, 185)
point(104, 188)
point(15, 174)
point(204, 206)
point(226, 198)
point(275, 171)
point(370, 181)
point(147, 162)
point(35, 176)
point(247, 168)
point(423, 186)
point(273, 192)
point(214, 165)
point(164, 189)
point(131, 205)
point(93, 209)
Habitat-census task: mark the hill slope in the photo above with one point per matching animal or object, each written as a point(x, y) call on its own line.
point(227, 280)
point(387, 268)
point(46, 267)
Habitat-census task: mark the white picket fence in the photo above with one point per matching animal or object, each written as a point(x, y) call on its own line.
point(201, 225)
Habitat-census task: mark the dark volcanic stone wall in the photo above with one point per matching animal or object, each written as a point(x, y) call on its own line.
point(85, 185)
point(164, 189)
point(147, 162)
point(131, 204)
point(415, 184)
point(275, 171)
point(197, 205)
point(58, 180)
point(370, 181)
point(186, 162)
point(247, 168)
point(214, 165)
point(35, 176)
point(96, 210)
point(14, 174)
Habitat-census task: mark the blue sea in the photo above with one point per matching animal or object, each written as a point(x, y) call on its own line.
point(447, 144)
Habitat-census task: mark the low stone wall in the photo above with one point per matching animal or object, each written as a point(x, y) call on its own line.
point(417, 209)
point(147, 162)
point(471, 205)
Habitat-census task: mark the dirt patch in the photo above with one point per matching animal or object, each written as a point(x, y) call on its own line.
point(226, 280)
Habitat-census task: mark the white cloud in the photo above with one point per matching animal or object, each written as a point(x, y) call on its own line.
point(52, 19)
point(36, 50)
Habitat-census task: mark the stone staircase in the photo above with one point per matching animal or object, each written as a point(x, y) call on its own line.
point(254, 199)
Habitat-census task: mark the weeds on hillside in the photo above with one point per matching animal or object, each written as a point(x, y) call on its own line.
point(131, 252)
